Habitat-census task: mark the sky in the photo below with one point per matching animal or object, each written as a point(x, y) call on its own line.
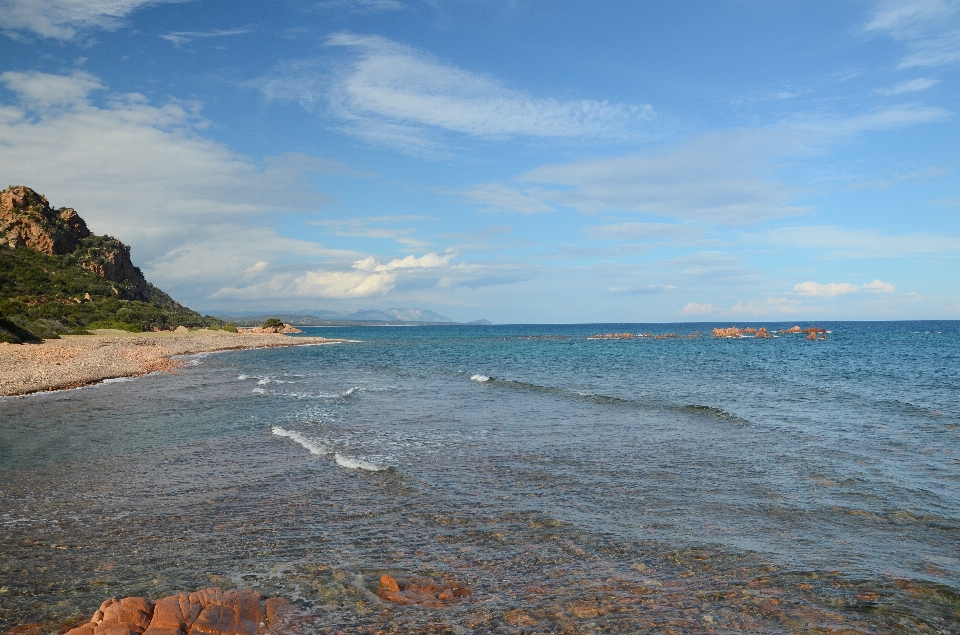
point(517, 161)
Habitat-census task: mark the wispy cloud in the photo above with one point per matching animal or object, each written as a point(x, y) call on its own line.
point(361, 6)
point(637, 232)
point(930, 30)
point(716, 178)
point(179, 38)
point(393, 94)
point(910, 86)
point(63, 19)
point(771, 307)
point(832, 289)
point(842, 242)
point(375, 227)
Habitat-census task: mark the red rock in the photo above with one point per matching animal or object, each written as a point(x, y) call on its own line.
point(420, 592)
point(812, 336)
point(389, 584)
point(133, 613)
point(728, 332)
point(793, 329)
point(208, 612)
point(763, 333)
point(174, 614)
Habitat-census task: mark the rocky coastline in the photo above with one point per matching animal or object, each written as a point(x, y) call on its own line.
point(75, 361)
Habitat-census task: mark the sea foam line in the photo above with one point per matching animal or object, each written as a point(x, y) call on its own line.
point(321, 450)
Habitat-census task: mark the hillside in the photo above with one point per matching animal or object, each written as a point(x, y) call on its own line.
point(57, 277)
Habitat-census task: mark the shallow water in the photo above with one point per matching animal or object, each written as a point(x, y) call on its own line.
point(573, 484)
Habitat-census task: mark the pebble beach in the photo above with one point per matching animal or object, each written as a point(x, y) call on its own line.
point(79, 360)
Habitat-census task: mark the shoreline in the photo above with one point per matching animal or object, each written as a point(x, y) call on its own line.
point(75, 361)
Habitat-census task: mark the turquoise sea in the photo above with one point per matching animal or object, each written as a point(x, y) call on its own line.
point(573, 484)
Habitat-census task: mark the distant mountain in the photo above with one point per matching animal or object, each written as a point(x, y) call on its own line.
point(335, 318)
point(480, 323)
point(56, 277)
point(383, 315)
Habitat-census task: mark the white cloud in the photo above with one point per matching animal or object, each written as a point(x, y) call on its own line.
point(842, 242)
point(829, 289)
point(393, 94)
point(62, 19)
point(179, 38)
point(750, 309)
point(930, 29)
point(695, 308)
point(910, 86)
point(43, 90)
point(367, 278)
point(832, 289)
point(193, 211)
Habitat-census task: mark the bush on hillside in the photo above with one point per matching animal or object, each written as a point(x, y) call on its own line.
point(273, 323)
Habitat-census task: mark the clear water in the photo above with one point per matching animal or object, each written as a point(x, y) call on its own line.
point(573, 484)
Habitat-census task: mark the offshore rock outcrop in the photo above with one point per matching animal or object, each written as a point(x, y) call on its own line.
point(210, 611)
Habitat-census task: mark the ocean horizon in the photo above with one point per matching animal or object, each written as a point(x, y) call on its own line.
point(572, 483)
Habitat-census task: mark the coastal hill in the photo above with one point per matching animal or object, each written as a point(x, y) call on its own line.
point(56, 277)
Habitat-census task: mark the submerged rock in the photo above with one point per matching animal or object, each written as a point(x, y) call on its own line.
point(420, 592)
point(210, 611)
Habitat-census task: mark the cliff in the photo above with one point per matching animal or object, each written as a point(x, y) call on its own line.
point(57, 277)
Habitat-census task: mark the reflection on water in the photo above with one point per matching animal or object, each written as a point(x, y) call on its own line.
point(574, 505)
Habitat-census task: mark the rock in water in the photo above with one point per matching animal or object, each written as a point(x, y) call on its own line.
point(420, 592)
point(210, 611)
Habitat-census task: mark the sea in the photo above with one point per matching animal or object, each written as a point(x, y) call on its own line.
point(572, 483)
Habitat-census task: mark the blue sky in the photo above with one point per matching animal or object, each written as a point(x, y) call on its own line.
point(516, 161)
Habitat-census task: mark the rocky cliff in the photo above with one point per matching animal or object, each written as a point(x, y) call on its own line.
point(58, 277)
point(28, 220)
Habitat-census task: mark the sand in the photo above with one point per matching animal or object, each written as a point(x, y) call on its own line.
point(79, 360)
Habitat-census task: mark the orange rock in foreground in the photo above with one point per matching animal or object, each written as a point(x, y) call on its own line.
point(210, 611)
point(420, 592)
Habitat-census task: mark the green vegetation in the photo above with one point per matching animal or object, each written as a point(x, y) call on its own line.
point(273, 323)
point(13, 333)
point(45, 296)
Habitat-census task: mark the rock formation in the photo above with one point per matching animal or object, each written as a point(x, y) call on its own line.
point(27, 220)
point(285, 328)
point(420, 592)
point(210, 611)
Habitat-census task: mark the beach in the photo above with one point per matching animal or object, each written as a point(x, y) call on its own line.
point(80, 360)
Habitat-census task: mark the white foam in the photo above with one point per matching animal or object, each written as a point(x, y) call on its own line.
point(480, 378)
point(259, 391)
point(311, 446)
point(356, 464)
point(116, 380)
point(242, 377)
point(352, 390)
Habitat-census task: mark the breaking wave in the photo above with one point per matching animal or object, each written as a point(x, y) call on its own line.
point(319, 449)
point(480, 378)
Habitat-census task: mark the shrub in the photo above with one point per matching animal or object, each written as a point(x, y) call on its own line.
point(273, 323)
